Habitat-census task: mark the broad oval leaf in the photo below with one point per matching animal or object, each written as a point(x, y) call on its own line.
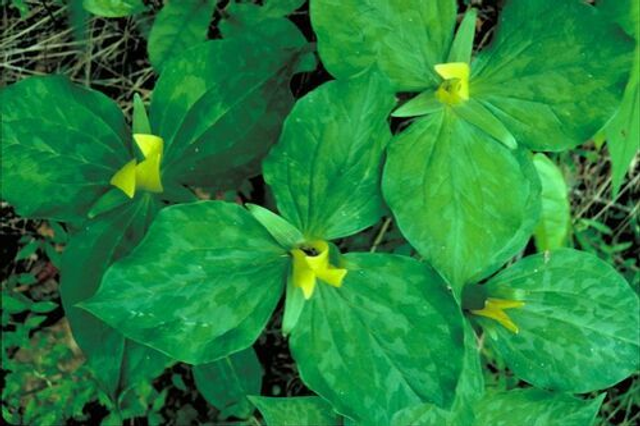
point(469, 390)
point(215, 274)
point(406, 38)
point(463, 200)
point(325, 170)
point(535, 407)
point(61, 144)
point(117, 364)
point(548, 75)
point(226, 383)
point(220, 105)
point(555, 215)
point(178, 26)
point(578, 329)
point(299, 411)
point(392, 327)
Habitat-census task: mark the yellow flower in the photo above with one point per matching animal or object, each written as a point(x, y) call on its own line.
point(310, 263)
point(494, 309)
point(146, 174)
point(455, 87)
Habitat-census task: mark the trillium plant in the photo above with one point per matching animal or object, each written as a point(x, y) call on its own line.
point(421, 126)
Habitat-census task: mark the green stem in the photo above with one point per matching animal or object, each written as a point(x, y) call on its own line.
point(383, 230)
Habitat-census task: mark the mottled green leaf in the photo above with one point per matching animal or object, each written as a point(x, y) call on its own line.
point(578, 329)
point(535, 407)
point(406, 38)
point(555, 215)
point(554, 73)
point(300, 411)
point(215, 275)
point(226, 383)
point(468, 391)
point(221, 104)
point(178, 26)
point(117, 366)
point(325, 170)
point(390, 337)
point(61, 144)
point(463, 200)
point(113, 8)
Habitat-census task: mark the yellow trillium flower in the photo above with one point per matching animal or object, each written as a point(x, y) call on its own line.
point(310, 263)
point(494, 309)
point(455, 87)
point(146, 174)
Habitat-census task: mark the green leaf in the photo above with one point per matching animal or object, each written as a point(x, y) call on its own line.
point(26, 278)
point(43, 307)
point(61, 145)
point(555, 216)
point(462, 46)
point(468, 391)
point(578, 329)
point(215, 274)
point(464, 201)
point(140, 119)
point(114, 8)
point(406, 38)
point(221, 104)
point(624, 12)
point(392, 327)
point(299, 411)
point(23, 8)
point(13, 305)
point(293, 306)
point(549, 73)
point(535, 407)
point(140, 365)
point(423, 104)
point(325, 170)
point(277, 8)
point(84, 262)
point(242, 17)
point(178, 26)
point(623, 131)
point(480, 116)
point(226, 383)
point(287, 235)
point(111, 199)
point(28, 250)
